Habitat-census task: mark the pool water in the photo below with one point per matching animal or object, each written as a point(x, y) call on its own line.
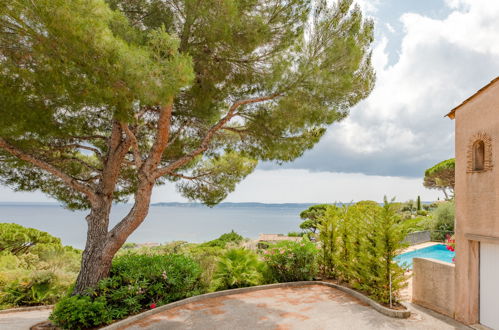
point(438, 252)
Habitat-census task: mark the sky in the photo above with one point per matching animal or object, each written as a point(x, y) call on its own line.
point(429, 56)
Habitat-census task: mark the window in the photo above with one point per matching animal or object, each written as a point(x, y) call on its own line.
point(478, 156)
point(479, 153)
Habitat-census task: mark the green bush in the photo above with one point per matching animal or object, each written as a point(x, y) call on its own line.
point(442, 223)
point(40, 288)
point(81, 312)
point(207, 257)
point(165, 278)
point(35, 268)
point(292, 261)
point(238, 268)
point(18, 240)
point(296, 234)
point(423, 213)
point(225, 239)
point(135, 282)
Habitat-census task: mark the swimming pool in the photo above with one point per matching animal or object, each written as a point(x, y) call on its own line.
point(438, 252)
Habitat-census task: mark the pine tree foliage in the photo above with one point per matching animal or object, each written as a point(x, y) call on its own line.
point(442, 177)
point(18, 240)
point(70, 69)
point(312, 217)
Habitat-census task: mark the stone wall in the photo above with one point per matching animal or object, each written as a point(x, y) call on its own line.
point(433, 285)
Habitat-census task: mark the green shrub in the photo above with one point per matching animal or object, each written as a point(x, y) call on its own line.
point(168, 278)
point(81, 312)
point(296, 234)
point(207, 257)
point(225, 239)
point(423, 213)
point(442, 223)
point(135, 282)
point(238, 268)
point(35, 289)
point(18, 240)
point(35, 269)
point(292, 261)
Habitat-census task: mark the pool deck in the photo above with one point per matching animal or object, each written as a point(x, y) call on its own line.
point(419, 246)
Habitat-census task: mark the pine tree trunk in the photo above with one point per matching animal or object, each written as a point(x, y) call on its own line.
point(103, 244)
point(96, 261)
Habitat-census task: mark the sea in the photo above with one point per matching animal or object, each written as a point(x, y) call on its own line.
point(165, 222)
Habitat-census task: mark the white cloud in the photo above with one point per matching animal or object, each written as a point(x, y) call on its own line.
point(390, 28)
point(368, 6)
point(281, 186)
point(441, 63)
point(288, 186)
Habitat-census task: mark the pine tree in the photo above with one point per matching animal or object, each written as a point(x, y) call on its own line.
point(100, 102)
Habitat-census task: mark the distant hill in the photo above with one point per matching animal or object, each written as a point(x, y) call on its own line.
point(253, 205)
point(242, 205)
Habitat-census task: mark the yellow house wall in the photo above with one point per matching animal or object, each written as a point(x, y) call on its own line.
point(477, 196)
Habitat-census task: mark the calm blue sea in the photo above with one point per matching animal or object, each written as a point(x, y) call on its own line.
point(187, 222)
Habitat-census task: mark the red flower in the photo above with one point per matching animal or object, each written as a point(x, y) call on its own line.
point(153, 305)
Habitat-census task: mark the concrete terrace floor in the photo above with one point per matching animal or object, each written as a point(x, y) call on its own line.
point(22, 320)
point(306, 307)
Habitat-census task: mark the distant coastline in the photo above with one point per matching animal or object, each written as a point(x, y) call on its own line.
point(243, 204)
point(181, 204)
point(187, 204)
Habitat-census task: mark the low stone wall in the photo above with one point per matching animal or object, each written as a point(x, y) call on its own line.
point(433, 285)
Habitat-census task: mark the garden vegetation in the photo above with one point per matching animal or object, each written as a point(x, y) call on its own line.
point(359, 244)
point(35, 268)
point(355, 245)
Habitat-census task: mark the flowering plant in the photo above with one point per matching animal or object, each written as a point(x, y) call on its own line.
point(450, 243)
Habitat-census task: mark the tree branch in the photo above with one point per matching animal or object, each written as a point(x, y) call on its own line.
point(137, 157)
point(117, 150)
point(210, 134)
point(161, 140)
point(68, 180)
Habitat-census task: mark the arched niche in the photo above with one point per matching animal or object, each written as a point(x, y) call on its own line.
point(480, 153)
